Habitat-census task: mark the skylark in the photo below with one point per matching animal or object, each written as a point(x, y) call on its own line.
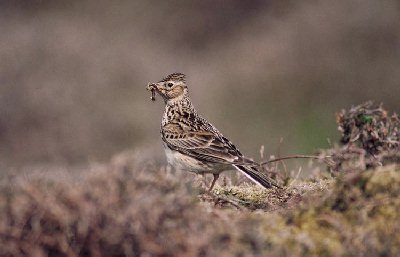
point(192, 143)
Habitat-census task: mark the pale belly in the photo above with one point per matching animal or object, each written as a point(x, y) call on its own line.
point(187, 163)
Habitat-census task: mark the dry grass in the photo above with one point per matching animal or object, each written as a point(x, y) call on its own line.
point(130, 208)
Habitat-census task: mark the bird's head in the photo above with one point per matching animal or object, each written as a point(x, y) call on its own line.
point(171, 87)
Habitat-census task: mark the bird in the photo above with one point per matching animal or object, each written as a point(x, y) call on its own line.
point(191, 143)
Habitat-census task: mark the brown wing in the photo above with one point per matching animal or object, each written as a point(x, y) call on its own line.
point(202, 144)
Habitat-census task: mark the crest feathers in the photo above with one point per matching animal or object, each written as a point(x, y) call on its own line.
point(175, 77)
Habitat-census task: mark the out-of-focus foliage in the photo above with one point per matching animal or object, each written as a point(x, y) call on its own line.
point(72, 73)
point(126, 208)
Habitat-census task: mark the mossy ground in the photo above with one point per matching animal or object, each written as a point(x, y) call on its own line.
point(127, 208)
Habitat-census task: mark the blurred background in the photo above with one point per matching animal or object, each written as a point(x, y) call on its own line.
point(73, 73)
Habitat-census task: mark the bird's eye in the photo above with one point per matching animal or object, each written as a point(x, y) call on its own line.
point(170, 84)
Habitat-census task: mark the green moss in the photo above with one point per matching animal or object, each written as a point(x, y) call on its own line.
point(252, 197)
point(362, 213)
point(384, 182)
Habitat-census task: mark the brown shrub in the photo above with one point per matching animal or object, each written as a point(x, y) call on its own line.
point(130, 208)
point(370, 138)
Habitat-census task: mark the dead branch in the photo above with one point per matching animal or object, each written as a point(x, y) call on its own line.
point(300, 156)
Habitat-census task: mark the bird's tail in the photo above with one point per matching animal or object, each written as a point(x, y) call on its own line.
point(253, 172)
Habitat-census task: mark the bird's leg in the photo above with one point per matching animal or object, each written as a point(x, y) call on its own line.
point(216, 176)
point(203, 180)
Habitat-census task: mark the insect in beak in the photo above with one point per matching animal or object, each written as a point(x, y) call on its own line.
point(152, 88)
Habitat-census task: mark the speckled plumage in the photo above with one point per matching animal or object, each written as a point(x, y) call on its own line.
point(192, 143)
